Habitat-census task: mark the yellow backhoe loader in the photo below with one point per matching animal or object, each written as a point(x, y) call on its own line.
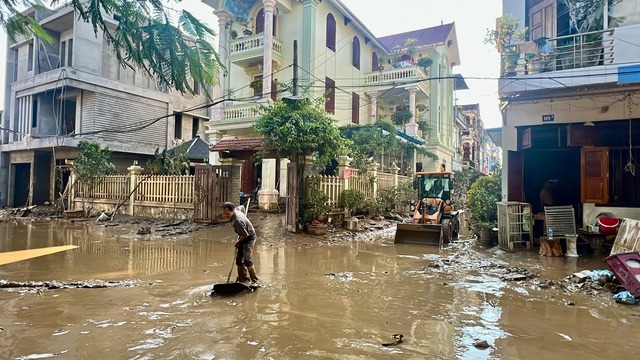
point(434, 220)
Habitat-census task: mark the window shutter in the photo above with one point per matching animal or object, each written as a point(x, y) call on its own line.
point(274, 90)
point(331, 32)
point(260, 22)
point(355, 108)
point(330, 91)
point(356, 53)
point(595, 175)
point(374, 62)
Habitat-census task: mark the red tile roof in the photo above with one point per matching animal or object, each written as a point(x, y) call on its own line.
point(424, 37)
point(242, 144)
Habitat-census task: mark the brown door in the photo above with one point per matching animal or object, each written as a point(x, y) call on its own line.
point(594, 164)
point(247, 177)
point(542, 19)
point(515, 179)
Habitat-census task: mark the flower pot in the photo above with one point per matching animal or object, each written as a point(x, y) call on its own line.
point(485, 237)
point(317, 230)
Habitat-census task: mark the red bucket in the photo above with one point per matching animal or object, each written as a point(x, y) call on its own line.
point(608, 225)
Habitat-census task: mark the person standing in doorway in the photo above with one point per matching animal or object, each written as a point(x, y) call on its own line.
point(546, 195)
point(244, 245)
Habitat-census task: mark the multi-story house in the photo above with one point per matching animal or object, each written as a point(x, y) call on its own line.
point(73, 89)
point(363, 77)
point(461, 128)
point(570, 103)
point(472, 140)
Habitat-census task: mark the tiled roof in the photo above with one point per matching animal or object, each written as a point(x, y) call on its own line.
point(196, 148)
point(460, 83)
point(242, 144)
point(424, 37)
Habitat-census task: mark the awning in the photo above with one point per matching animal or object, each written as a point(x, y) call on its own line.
point(496, 135)
point(240, 144)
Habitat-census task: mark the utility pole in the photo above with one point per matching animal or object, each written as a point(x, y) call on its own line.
point(295, 67)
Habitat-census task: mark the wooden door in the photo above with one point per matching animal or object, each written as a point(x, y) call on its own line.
point(594, 163)
point(248, 179)
point(515, 178)
point(542, 19)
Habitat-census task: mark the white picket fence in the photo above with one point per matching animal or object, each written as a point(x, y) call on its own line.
point(368, 182)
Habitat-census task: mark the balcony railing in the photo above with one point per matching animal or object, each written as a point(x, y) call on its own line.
point(241, 112)
point(397, 76)
point(250, 49)
point(559, 53)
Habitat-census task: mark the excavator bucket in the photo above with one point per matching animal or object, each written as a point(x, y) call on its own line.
point(424, 234)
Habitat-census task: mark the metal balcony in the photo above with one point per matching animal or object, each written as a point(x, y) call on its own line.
point(559, 53)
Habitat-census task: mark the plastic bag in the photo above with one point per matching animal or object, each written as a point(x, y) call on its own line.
point(625, 297)
point(602, 276)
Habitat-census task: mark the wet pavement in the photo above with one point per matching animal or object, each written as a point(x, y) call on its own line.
point(320, 299)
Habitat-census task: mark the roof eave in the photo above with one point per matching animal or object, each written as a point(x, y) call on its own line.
point(358, 24)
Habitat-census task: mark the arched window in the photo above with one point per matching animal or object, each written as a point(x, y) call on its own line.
point(356, 53)
point(331, 32)
point(374, 62)
point(260, 22)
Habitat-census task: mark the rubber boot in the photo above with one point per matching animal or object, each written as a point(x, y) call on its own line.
point(252, 274)
point(243, 275)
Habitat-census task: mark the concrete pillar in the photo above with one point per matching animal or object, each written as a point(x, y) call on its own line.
point(373, 96)
point(344, 170)
point(283, 177)
point(308, 161)
point(216, 112)
point(214, 137)
point(267, 64)
point(309, 16)
point(394, 169)
point(373, 171)
point(236, 178)
point(411, 128)
point(268, 195)
point(4, 179)
point(134, 171)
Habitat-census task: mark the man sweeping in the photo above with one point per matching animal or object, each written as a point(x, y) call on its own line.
point(244, 245)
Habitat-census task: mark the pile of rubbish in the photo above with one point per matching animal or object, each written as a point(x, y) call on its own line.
point(599, 280)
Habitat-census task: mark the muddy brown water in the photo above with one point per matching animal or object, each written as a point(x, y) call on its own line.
point(320, 301)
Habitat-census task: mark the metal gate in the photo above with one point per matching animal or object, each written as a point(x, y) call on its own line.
point(212, 188)
point(292, 197)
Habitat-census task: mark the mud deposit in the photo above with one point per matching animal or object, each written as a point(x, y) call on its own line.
point(337, 297)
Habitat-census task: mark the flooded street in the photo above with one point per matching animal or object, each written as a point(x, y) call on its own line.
point(319, 300)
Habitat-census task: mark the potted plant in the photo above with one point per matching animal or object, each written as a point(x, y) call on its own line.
point(314, 208)
point(481, 200)
point(504, 37)
point(425, 63)
point(352, 200)
point(256, 84)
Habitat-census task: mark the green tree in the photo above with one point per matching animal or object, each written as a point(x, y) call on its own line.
point(91, 165)
point(169, 162)
point(376, 140)
point(297, 128)
point(175, 53)
point(482, 198)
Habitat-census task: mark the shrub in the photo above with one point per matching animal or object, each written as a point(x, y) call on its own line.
point(352, 200)
point(482, 199)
